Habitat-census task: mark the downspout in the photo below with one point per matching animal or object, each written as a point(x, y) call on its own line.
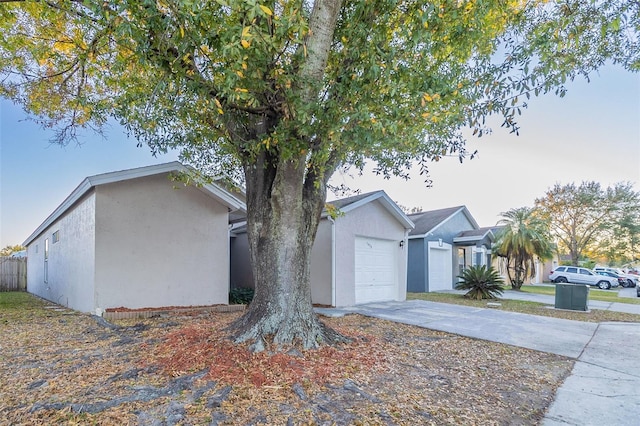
point(333, 261)
point(229, 260)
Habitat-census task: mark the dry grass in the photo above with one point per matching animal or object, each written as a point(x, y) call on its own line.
point(60, 367)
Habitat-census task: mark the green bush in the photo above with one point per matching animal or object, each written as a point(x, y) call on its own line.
point(240, 296)
point(482, 282)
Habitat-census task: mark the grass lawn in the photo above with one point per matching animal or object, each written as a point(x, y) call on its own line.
point(594, 294)
point(21, 306)
point(18, 300)
point(533, 308)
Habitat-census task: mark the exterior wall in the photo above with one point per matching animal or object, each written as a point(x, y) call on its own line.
point(548, 266)
point(240, 264)
point(321, 265)
point(71, 260)
point(321, 271)
point(370, 220)
point(159, 246)
point(543, 270)
point(417, 266)
point(419, 259)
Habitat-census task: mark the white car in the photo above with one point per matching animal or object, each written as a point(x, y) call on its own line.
point(578, 275)
point(632, 280)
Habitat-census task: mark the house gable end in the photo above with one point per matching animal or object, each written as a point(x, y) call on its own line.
point(439, 223)
point(352, 203)
point(234, 204)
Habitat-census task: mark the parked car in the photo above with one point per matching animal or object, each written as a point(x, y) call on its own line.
point(638, 291)
point(621, 280)
point(578, 275)
point(632, 280)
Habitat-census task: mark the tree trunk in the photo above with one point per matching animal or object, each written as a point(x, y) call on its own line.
point(518, 270)
point(284, 205)
point(286, 193)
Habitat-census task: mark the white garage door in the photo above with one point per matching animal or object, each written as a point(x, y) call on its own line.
point(440, 275)
point(375, 270)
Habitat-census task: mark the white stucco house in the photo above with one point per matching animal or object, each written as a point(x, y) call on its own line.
point(358, 257)
point(135, 239)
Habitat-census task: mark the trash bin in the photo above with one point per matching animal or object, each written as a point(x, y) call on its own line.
point(573, 297)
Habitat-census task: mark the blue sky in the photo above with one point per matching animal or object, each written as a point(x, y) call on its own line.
point(593, 133)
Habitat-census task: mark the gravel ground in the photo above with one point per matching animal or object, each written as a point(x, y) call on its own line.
point(57, 366)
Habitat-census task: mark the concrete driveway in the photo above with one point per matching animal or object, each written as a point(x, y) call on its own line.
point(604, 386)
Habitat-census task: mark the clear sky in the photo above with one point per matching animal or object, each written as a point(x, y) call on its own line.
point(593, 133)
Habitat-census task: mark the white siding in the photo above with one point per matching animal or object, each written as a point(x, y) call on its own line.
point(71, 260)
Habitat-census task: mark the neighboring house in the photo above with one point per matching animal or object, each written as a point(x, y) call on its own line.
point(358, 257)
point(135, 239)
point(543, 268)
point(443, 243)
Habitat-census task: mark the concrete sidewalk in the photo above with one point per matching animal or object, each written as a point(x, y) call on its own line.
point(604, 386)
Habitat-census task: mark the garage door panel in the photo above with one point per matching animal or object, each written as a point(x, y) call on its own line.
point(440, 269)
point(375, 270)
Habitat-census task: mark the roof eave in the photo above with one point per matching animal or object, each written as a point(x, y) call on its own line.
point(224, 197)
point(386, 202)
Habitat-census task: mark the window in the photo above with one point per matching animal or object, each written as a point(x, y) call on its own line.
point(585, 272)
point(55, 237)
point(46, 260)
point(572, 270)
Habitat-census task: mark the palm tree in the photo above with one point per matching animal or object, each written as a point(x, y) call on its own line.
point(523, 239)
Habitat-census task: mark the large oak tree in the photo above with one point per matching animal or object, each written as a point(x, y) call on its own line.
point(282, 93)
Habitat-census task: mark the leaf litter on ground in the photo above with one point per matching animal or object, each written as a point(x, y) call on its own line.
point(65, 367)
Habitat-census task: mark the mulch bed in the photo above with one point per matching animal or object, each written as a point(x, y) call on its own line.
point(180, 368)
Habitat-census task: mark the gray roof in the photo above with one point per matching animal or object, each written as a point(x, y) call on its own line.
point(480, 232)
point(475, 235)
point(427, 221)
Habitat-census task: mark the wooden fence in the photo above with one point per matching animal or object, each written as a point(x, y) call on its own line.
point(13, 274)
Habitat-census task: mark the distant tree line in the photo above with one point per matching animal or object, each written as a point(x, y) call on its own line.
point(585, 222)
point(9, 250)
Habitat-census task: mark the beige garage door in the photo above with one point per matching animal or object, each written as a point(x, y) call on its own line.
point(376, 277)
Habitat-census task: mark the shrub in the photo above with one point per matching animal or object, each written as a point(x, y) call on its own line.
point(240, 296)
point(482, 282)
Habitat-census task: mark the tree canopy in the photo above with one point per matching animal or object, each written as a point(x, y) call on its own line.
point(588, 218)
point(281, 93)
point(9, 250)
point(224, 80)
